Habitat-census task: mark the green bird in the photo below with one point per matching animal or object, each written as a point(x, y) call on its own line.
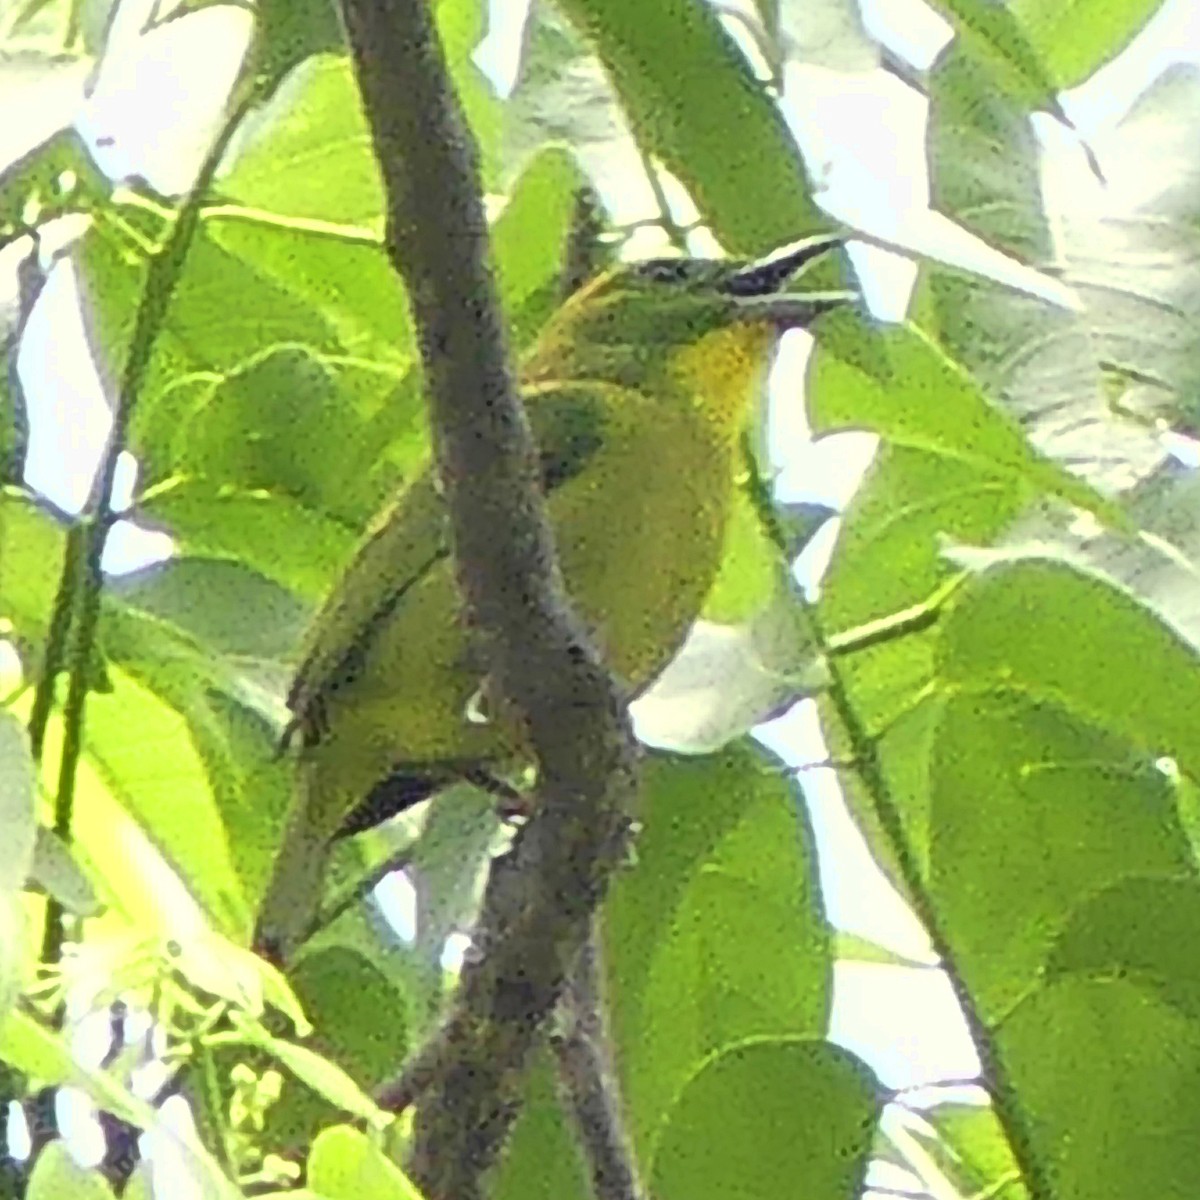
point(637, 390)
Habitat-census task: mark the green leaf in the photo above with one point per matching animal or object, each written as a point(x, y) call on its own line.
point(1143, 929)
point(542, 1160)
point(887, 558)
point(248, 432)
point(34, 1050)
point(1078, 1038)
point(1064, 731)
point(1040, 361)
point(222, 606)
point(225, 312)
point(267, 531)
point(167, 790)
point(928, 402)
point(853, 947)
point(718, 934)
point(1129, 250)
point(694, 105)
point(46, 1056)
point(966, 1152)
point(750, 568)
point(983, 159)
point(905, 749)
point(770, 1118)
point(361, 1024)
point(197, 774)
point(529, 239)
point(235, 441)
point(903, 753)
point(952, 465)
point(313, 156)
point(18, 806)
point(56, 871)
point(254, 483)
point(1033, 809)
point(289, 31)
point(1073, 38)
point(992, 33)
point(325, 1078)
point(1124, 670)
point(1157, 564)
point(346, 1165)
point(18, 800)
point(32, 543)
point(55, 176)
point(29, 278)
point(117, 786)
point(349, 282)
point(57, 1176)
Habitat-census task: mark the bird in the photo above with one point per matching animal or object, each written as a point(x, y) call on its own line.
point(637, 391)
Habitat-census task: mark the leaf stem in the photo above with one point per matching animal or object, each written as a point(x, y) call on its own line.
point(864, 750)
point(55, 652)
point(914, 619)
point(82, 576)
point(358, 235)
point(864, 754)
point(666, 218)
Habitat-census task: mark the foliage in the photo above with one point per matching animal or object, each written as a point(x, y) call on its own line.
point(1003, 651)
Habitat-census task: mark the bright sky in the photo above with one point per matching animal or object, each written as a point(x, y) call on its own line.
point(865, 132)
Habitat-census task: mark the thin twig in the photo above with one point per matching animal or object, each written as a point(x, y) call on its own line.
point(162, 275)
point(588, 1084)
point(864, 754)
point(864, 749)
point(666, 218)
point(54, 654)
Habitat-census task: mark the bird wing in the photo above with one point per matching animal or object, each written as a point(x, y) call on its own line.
point(411, 536)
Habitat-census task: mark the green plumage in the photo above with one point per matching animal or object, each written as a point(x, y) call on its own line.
point(637, 392)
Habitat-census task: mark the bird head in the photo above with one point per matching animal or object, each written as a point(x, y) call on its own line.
point(629, 322)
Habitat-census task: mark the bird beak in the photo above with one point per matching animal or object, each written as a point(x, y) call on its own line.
point(768, 275)
point(796, 311)
point(758, 285)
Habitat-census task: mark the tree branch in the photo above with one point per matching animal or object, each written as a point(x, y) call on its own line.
point(539, 899)
point(587, 1084)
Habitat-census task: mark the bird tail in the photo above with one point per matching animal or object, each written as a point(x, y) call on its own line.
point(322, 813)
point(288, 911)
point(392, 795)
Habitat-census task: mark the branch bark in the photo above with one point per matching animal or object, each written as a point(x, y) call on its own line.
point(540, 897)
point(588, 1084)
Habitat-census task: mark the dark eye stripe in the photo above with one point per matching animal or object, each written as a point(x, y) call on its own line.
point(666, 270)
